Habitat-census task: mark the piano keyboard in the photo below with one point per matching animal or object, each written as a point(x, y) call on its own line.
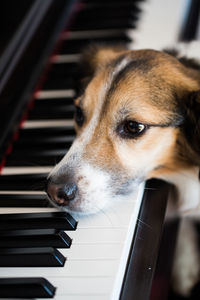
point(96, 261)
point(48, 254)
point(89, 260)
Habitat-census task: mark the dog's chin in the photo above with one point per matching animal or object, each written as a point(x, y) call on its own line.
point(88, 205)
point(98, 202)
point(77, 211)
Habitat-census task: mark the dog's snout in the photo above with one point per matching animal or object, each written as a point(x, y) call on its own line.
point(62, 194)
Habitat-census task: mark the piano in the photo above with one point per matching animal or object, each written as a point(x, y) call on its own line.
point(45, 252)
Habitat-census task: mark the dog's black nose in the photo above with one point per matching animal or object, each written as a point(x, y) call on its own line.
point(62, 193)
point(68, 192)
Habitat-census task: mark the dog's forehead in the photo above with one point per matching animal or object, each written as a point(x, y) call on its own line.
point(131, 70)
point(146, 83)
point(130, 80)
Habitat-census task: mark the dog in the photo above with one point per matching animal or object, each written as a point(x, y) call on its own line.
point(137, 117)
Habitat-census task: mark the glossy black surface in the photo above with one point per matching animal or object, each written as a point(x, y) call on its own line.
point(24, 287)
point(191, 23)
point(11, 19)
point(23, 181)
point(35, 158)
point(31, 257)
point(24, 200)
point(26, 61)
point(146, 241)
point(56, 220)
point(34, 238)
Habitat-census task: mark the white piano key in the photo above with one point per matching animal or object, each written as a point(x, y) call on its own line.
point(26, 170)
point(89, 285)
point(54, 94)
point(23, 210)
point(115, 216)
point(22, 192)
point(71, 269)
point(48, 123)
point(80, 297)
point(73, 297)
point(190, 49)
point(100, 220)
point(87, 251)
point(98, 235)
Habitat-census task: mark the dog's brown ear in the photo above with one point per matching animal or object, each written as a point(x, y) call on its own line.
point(186, 61)
point(191, 125)
point(93, 57)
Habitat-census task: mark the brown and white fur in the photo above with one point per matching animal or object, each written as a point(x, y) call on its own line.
point(137, 118)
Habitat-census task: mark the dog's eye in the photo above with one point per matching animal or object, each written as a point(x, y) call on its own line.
point(131, 129)
point(79, 116)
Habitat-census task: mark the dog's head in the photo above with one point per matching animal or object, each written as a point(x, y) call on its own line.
point(135, 119)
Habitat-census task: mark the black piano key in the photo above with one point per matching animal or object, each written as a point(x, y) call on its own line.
point(62, 76)
point(59, 83)
point(24, 200)
point(48, 220)
point(63, 70)
point(31, 257)
point(117, 17)
point(23, 182)
point(46, 102)
point(106, 15)
point(107, 10)
point(114, 23)
point(52, 112)
point(34, 238)
point(33, 161)
point(42, 153)
point(37, 287)
point(35, 158)
point(75, 46)
point(60, 142)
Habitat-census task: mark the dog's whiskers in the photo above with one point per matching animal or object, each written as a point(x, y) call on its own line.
point(106, 215)
point(149, 189)
point(143, 223)
point(52, 203)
